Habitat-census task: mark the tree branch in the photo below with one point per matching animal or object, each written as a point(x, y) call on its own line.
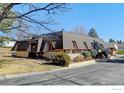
point(6, 10)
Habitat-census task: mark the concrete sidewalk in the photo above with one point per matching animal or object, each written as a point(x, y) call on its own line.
point(71, 66)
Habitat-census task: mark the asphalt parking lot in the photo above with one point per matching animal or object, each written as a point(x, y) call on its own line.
point(101, 73)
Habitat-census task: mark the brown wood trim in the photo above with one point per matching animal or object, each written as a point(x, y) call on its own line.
point(77, 49)
point(56, 50)
point(62, 50)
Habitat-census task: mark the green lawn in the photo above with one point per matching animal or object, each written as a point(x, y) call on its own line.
point(120, 52)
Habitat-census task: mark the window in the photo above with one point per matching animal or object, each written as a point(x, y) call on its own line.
point(54, 44)
point(22, 46)
point(34, 45)
point(93, 45)
point(85, 45)
point(74, 44)
point(102, 47)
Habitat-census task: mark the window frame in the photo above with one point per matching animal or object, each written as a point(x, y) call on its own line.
point(74, 43)
point(85, 45)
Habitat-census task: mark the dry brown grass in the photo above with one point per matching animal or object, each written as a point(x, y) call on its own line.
point(12, 65)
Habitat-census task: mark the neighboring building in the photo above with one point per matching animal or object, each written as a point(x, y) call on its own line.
point(9, 43)
point(113, 47)
point(58, 41)
point(120, 46)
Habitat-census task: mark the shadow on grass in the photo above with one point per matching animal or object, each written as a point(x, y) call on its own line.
point(10, 56)
point(50, 63)
point(7, 56)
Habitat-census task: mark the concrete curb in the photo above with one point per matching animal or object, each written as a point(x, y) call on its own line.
point(2, 77)
point(85, 63)
point(71, 66)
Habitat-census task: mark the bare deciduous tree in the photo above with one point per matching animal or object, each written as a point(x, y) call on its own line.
point(79, 30)
point(37, 16)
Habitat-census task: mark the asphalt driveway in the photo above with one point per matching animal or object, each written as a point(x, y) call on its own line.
point(101, 73)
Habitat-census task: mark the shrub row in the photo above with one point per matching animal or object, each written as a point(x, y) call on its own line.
point(91, 53)
point(58, 58)
point(62, 59)
point(94, 53)
point(86, 54)
point(78, 58)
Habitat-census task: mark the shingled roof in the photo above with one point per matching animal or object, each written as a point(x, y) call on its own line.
point(69, 37)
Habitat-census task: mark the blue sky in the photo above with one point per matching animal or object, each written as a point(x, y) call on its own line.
point(107, 19)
